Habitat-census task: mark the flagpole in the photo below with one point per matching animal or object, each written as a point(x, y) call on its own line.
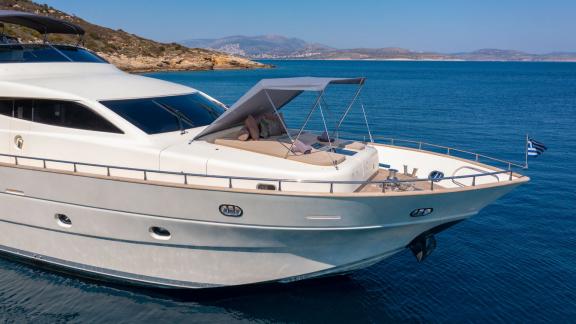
point(526, 152)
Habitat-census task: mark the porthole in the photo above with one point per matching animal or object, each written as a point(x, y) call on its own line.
point(436, 176)
point(160, 233)
point(265, 186)
point(63, 220)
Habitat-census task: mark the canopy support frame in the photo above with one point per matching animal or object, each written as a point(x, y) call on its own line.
point(277, 113)
point(366, 121)
point(316, 103)
point(330, 148)
point(360, 87)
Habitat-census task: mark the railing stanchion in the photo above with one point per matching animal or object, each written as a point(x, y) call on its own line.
point(510, 175)
point(75, 168)
point(230, 182)
point(145, 176)
point(331, 187)
point(474, 181)
point(432, 185)
point(391, 141)
point(16, 160)
point(185, 179)
point(44, 163)
point(448, 151)
point(477, 157)
point(420, 145)
point(108, 171)
point(509, 166)
point(383, 187)
point(279, 185)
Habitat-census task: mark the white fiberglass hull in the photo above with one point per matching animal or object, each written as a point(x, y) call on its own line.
point(280, 237)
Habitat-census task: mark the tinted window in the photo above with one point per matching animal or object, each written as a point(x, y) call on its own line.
point(80, 55)
point(70, 114)
point(145, 114)
point(159, 115)
point(23, 109)
point(6, 107)
point(29, 53)
point(200, 110)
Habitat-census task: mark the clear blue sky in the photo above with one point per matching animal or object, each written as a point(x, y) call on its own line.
point(433, 25)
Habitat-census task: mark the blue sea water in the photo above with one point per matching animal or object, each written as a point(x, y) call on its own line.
point(514, 262)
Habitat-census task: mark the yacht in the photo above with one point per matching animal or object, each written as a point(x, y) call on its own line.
point(131, 179)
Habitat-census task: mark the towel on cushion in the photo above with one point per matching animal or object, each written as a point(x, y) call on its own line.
point(300, 147)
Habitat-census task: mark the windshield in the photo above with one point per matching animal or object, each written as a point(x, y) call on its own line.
point(34, 53)
point(167, 114)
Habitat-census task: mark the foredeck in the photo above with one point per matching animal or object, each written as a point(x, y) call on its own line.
point(379, 182)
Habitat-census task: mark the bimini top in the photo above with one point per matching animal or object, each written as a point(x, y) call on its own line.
point(278, 92)
point(42, 24)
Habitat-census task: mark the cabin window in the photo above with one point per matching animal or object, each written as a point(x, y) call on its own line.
point(6, 107)
point(57, 113)
point(23, 109)
point(167, 114)
point(71, 115)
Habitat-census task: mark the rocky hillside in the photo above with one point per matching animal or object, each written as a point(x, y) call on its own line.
point(128, 51)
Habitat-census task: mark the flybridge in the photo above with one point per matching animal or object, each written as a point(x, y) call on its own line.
point(42, 24)
point(12, 51)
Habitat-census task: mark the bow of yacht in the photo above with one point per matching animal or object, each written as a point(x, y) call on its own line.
point(133, 179)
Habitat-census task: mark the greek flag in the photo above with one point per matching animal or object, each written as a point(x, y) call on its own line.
point(535, 148)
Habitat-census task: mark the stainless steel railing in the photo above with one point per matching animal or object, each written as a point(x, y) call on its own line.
point(384, 184)
point(447, 150)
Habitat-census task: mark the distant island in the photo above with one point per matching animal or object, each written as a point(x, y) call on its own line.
point(280, 47)
point(128, 51)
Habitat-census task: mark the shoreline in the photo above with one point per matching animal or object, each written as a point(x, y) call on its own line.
point(413, 60)
point(181, 63)
point(160, 70)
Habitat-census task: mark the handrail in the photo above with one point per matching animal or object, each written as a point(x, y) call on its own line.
point(422, 145)
point(473, 169)
point(185, 175)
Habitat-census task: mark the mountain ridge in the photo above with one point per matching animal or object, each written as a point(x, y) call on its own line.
point(281, 47)
point(261, 46)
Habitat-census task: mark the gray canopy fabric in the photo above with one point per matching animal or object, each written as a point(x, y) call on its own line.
point(42, 24)
point(280, 91)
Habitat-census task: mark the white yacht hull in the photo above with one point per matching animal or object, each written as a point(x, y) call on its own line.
point(280, 237)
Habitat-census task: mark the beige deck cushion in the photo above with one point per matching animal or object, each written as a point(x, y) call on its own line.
point(279, 149)
point(355, 146)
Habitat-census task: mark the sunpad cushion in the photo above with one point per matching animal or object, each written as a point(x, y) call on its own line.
point(280, 149)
